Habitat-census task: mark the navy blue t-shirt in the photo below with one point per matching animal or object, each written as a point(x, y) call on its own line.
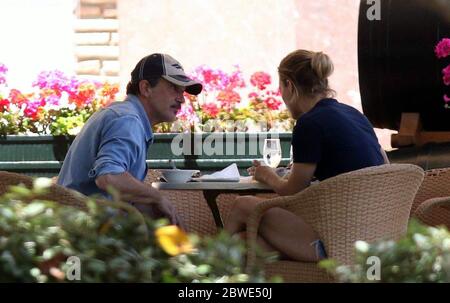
point(337, 137)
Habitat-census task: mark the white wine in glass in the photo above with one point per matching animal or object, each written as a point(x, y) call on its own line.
point(272, 152)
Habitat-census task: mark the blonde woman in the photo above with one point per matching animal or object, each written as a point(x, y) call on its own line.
point(329, 138)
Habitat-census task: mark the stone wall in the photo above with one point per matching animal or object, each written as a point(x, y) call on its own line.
point(97, 40)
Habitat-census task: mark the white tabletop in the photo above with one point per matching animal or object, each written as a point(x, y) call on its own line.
point(244, 184)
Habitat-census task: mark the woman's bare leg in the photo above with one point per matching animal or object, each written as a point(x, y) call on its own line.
point(261, 243)
point(281, 229)
point(289, 234)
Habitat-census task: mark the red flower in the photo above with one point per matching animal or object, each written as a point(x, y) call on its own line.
point(210, 109)
point(446, 73)
point(4, 104)
point(33, 110)
point(108, 93)
point(84, 95)
point(275, 92)
point(260, 80)
point(442, 49)
point(272, 103)
point(228, 98)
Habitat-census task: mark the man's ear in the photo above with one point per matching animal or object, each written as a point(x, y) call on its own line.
point(144, 88)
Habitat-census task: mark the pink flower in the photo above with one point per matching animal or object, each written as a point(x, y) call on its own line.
point(32, 110)
point(217, 80)
point(275, 93)
point(51, 99)
point(3, 71)
point(260, 80)
point(235, 80)
point(273, 103)
point(442, 49)
point(253, 95)
point(228, 98)
point(57, 81)
point(210, 78)
point(446, 73)
point(188, 114)
point(211, 110)
point(446, 99)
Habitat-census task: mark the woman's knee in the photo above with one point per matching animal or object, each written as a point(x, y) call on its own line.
point(245, 204)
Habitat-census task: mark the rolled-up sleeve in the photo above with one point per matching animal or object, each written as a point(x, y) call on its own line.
point(121, 139)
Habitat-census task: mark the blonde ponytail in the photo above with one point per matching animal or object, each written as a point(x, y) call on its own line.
point(308, 71)
point(321, 65)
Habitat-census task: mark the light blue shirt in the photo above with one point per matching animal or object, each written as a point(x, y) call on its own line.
point(113, 141)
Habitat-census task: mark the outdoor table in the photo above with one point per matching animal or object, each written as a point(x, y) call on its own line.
point(211, 190)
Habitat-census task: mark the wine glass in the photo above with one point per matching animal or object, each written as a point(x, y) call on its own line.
point(272, 152)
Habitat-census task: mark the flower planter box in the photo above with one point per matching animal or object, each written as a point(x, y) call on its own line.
point(43, 155)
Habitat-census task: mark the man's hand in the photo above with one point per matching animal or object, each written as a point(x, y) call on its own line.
point(161, 208)
point(147, 199)
point(165, 207)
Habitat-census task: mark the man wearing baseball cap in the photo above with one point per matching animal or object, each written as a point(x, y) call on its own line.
point(111, 148)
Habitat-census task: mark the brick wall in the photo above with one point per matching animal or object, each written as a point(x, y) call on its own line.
point(97, 40)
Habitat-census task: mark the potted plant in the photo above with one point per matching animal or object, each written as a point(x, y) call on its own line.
point(226, 123)
point(42, 241)
point(38, 127)
point(422, 255)
point(442, 51)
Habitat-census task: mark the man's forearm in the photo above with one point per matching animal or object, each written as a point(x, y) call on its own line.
point(129, 186)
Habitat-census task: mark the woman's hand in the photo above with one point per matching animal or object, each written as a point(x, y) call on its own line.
point(261, 173)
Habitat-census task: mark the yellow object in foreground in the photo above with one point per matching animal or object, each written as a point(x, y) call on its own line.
point(173, 240)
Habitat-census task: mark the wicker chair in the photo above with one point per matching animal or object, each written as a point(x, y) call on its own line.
point(56, 193)
point(367, 204)
point(192, 207)
point(430, 203)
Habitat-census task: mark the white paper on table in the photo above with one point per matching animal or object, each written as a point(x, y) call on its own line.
point(228, 174)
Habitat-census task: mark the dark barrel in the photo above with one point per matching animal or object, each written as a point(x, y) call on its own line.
point(398, 70)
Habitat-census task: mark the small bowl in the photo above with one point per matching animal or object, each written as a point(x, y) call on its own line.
point(178, 175)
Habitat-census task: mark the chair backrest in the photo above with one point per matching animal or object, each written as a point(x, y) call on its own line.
point(192, 208)
point(368, 204)
point(436, 183)
point(56, 193)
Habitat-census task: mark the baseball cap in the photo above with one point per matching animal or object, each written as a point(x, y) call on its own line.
point(162, 65)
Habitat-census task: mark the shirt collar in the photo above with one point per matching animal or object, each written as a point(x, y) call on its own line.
point(142, 115)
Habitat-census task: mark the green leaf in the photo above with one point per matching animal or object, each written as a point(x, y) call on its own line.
point(33, 209)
